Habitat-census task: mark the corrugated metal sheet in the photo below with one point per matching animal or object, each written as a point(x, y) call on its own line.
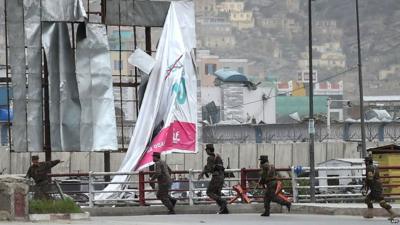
point(136, 12)
point(16, 39)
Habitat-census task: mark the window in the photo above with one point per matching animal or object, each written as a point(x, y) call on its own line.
point(210, 68)
point(240, 70)
point(333, 182)
point(118, 65)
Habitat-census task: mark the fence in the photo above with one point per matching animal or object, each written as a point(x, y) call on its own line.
point(345, 186)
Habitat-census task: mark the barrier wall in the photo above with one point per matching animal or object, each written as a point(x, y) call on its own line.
point(240, 156)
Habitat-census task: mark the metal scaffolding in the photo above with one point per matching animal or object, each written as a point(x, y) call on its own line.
point(123, 36)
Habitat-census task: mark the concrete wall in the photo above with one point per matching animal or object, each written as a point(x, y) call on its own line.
point(239, 155)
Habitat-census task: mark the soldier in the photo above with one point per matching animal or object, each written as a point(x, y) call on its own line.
point(215, 166)
point(39, 172)
point(162, 174)
point(373, 184)
point(268, 179)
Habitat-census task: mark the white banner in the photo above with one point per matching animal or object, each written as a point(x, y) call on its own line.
point(168, 115)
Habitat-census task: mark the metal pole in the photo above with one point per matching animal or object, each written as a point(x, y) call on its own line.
point(106, 159)
point(148, 39)
point(191, 187)
point(7, 85)
point(107, 166)
point(328, 118)
point(360, 84)
point(47, 137)
point(91, 194)
point(311, 110)
point(294, 185)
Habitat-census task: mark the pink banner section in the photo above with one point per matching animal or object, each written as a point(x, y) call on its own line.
point(179, 137)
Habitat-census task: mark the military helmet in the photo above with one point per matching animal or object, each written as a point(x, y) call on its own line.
point(210, 147)
point(368, 159)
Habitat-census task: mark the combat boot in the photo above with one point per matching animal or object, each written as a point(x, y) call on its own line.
point(223, 209)
point(265, 213)
point(173, 201)
point(288, 206)
point(369, 214)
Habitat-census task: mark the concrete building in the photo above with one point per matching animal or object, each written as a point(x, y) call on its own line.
point(208, 64)
point(325, 60)
point(237, 99)
point(281, 23)
point(351, 162)
point(238, 17)
point(215, 32)
point(205, 7)
point(327, 29)
point(231, 6)
point(242, 20)
point(391, 73)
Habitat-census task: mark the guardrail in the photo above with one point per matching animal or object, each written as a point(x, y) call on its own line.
point(188, 190)
point(340, 187)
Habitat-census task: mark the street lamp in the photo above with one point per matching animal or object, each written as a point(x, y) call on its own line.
point(328, 115)
point(311, 128)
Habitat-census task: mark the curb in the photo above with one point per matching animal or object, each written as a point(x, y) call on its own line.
point(59, 216)
point(180, 209)
point(320, 209)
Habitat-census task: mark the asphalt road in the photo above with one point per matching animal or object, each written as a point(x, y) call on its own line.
point(232, 219)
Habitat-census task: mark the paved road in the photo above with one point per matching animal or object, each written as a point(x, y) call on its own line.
point(232, 219)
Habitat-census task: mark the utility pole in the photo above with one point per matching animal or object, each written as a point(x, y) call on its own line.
point(360, 84)
point(311, 128)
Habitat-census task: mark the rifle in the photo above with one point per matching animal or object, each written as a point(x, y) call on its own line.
point(229, 174)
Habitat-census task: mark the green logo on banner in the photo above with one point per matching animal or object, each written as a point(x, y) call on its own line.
point(180, 90)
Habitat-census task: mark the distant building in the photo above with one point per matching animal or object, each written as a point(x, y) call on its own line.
point(282, 23)
point(291, 88)
point(286, 105)
point(215, 33)
point(238, 17)
point(327, 28)
point(329, 88)
point(205, 7)
point(326, 60)
point(393, 72)
point(208, 64)
point(230, 6)
point(237, 100)
point(293, 5)
point(242, 20)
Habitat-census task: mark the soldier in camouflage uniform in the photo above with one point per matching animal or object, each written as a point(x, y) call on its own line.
point(374, 185)
point(38, 171)
point(162, 174)
point(268, 179)
point(215, 166)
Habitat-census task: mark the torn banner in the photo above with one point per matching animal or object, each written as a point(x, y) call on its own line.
point(167, 118)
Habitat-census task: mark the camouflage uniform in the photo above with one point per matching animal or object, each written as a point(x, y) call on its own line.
point(162, 174)
point(268, 178)
point(39, 174)
point(215, 167)
point(373, 183)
